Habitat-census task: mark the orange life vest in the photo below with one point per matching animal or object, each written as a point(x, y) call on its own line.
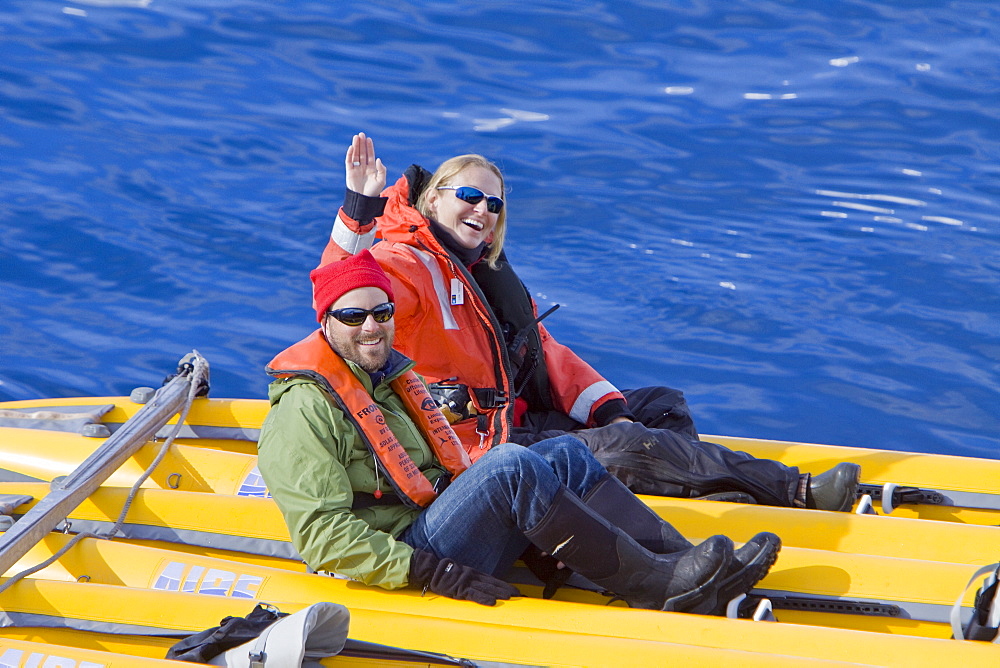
point(314, 358)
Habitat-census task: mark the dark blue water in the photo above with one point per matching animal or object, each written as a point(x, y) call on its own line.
point(786, 208)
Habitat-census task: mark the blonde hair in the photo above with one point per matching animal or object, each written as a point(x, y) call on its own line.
point(448, 170)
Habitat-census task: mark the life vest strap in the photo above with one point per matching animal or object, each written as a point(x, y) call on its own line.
point(489, 397)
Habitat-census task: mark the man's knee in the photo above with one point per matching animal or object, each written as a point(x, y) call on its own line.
point(561, 446)
point(510, 456)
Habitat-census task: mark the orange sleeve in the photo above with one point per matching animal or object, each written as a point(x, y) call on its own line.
point(577, 389)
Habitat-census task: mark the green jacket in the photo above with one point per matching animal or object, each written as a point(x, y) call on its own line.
point(313, 460)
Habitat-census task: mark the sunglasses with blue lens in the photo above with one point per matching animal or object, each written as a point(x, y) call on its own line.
point(475, 196)
point(354, 317)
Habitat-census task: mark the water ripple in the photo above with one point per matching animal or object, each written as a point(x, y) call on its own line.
point(786, 209)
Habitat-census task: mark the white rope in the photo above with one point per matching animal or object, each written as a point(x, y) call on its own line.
point(198, 373)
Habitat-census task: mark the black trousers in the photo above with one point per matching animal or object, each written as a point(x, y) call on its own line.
point(661, 453)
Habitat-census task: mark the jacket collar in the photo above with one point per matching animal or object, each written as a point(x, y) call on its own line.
point(466, 256)
point(397, 364)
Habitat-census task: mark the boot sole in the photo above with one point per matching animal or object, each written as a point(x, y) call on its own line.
point(744, 579)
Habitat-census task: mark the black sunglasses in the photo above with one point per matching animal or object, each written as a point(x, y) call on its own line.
point(475, 196)
point(353, 317)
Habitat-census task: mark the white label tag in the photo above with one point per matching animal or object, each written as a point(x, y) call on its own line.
point(457, 292)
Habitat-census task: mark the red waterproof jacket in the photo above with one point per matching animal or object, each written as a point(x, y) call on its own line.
point(444, 322)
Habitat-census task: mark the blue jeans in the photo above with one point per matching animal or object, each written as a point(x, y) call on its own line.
point(480, 519)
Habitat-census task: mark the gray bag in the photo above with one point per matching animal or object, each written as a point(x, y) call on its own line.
point(300, 639)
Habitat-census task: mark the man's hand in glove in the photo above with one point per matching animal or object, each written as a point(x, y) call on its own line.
point(451, 579)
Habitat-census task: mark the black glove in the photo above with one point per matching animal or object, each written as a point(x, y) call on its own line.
point(546, 568)
point(451, 579)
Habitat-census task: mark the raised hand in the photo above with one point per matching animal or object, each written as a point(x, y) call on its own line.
point(365, 172)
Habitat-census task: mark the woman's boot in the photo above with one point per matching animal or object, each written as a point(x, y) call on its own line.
point(685, 581)
point(835, 489)
point(613, 501)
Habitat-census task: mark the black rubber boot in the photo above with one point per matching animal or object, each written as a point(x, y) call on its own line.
point(836, 489)
point(613, 501)
point(748, 567)
point(685, 581)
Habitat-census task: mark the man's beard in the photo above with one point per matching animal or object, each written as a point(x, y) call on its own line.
point(369, 358)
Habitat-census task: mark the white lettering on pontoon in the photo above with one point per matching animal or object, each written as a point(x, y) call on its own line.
point(18, 658)
point(253, 485)
point(193, 579)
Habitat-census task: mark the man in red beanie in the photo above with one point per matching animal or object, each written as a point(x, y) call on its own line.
point(360, 282)
point(374, 484)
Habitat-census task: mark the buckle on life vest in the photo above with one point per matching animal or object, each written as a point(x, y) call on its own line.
point(490, 397)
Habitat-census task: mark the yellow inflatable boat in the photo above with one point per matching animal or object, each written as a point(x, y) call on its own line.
point(197, 538)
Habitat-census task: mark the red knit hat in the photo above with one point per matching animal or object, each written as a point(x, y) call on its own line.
point(332, 281)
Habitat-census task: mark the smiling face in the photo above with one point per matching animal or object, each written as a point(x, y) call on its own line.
point(368, 344)
point(469, 224)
